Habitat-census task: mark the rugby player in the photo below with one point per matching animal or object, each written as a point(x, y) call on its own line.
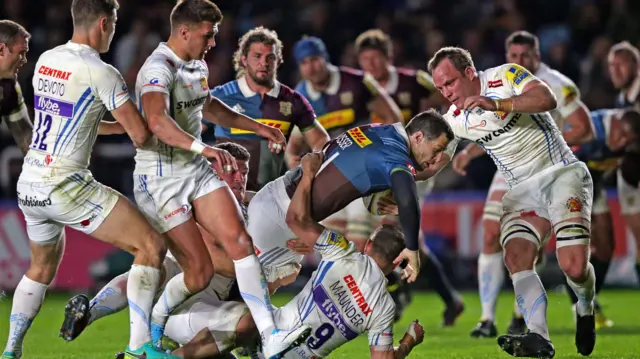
point(342, 98)
point(14, 45)
point(73, 90)
point(345, 297)
point(573, 117)
point(413, 92)
point(505, 111)
point(174, 177)
point(624, 70)
point(258, 94)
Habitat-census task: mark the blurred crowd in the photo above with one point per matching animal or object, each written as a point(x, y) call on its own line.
point(575, 36)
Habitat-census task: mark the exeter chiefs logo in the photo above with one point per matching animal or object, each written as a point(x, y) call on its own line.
point(574, 205)
point(203, 83)
point(286, 108)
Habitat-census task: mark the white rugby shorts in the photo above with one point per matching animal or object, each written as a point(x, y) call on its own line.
point(78, 201)
point(493, 208)
point(167, 201)
point(628, 195)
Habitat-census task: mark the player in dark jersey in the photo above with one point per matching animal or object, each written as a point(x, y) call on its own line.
point(13, 54)
point(258, 94)
point(624, 70)
point(413, 92)
point(361, 161)
point(342, 99)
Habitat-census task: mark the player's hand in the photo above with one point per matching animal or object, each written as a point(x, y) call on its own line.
point(311, 163)
point(414, 334)
point(224, 158)
point(410, 273)
point(460, 162)
point(387, 205)
point(277, 142)
point(482, 102)
point(299, 246)
point(293, 161)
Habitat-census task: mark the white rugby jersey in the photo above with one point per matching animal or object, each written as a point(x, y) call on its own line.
point(185, 83)
point(520, 144)
point(566, 91)
point(346, 296)
point(73, 89)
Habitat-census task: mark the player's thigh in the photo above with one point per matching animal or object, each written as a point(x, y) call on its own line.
point(224, 264)
point(45, 259)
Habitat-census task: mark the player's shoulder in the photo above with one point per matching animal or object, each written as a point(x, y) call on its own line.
point(160, 59)
point(350, 73)
point(553, 77)
point(226, 90)
point(404, 72)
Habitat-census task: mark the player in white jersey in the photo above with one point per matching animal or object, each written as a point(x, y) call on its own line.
point(504, 110)
point(73, 90)
point(345, 297)
point(573, 118)
point(175, 176)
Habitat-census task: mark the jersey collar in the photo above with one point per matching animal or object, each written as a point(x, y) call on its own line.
point(483, 83)
point(247, 92)
point(392, 84)
point(77, 46)
point(541, 69)
point(332, 89)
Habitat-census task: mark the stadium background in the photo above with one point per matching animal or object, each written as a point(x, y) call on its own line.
point(575, 36)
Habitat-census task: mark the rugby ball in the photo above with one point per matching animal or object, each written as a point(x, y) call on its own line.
point(371, 201)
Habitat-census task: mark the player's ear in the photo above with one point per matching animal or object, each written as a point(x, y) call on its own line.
point(418, 136)
point(184, 31)
point(4, 49)
point(470, 72)
point(243, 59)
point(103, 21)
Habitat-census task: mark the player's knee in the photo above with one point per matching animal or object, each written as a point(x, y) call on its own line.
point(519, 255)
point(491, 239)
point(238, 243)
point(42, 272)
point(198, 273)
point(150, 249)
point(573, 261)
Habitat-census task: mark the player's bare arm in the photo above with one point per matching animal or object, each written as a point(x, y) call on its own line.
point(110, 128)
point(14, 112)
point(413, 337)
point(382, 105)
point(155, 106)
point(464, 157)
point(536, 97)
point(578, 126)
point(315, 137)
point(221, 114)
point(129, 118)
point(299, 213)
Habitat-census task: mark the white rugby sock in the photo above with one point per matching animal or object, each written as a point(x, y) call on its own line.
point(174, 294)
point(254, 291)
point(27, 301)
point(111, 299)
point(532, 300)
point(490, 281)
point(141, 287)
point(585, 292)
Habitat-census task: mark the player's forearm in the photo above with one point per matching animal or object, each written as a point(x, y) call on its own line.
point(110, 128)
point(299, 211)
point(578, 127)
point(473, 150)
point(167, 131)
point(21, 131)
point(406, 196)
point(402, 351)
point(221, 114)
point(386, 108)
point(538, 98)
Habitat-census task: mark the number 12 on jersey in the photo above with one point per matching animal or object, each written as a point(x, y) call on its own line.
point(42, 128)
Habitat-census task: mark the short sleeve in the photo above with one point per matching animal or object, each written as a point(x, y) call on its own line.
point(517, 77)
point(304, 116)
point(425, 81)
point(381, 333)
point(108, 85)
point(332, 245)
point(568, 97)
point(156, 76)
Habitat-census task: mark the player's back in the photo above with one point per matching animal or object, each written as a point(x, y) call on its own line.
point(73, 89)
point(185, 84)
point(565, 90)
point(357, 163)
point(345, 297)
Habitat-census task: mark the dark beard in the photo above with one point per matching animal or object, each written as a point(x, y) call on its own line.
point(267, 82)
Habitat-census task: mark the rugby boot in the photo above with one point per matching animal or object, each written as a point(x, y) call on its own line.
point(76, 317)
point(280, 342)
point(485, 329)
point(517, 325)
point(530, 345)
point(585, 334)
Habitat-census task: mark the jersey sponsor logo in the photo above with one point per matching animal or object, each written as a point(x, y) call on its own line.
point(184, 209)
point(337, 240)
point(283, 126)
point(359, 137)
point(497, 133)
point(33, 201)
point(516, 74)
point(346, 98)
point(58, 74)
point(286, 108)
point(203, 83)
point(51, 87)
point(183, 105)
point(361, 302)
point(574, 204)
point(53, 106)
point(330, 309)
point(570, 93)
point(344, 141)
point(154, 83)
point(495, 84)
point(337, 118)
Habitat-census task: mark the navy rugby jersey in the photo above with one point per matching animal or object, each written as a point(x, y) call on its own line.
point(596, 153)
point(357, 163)
point(343, 105)
point(282, 108)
